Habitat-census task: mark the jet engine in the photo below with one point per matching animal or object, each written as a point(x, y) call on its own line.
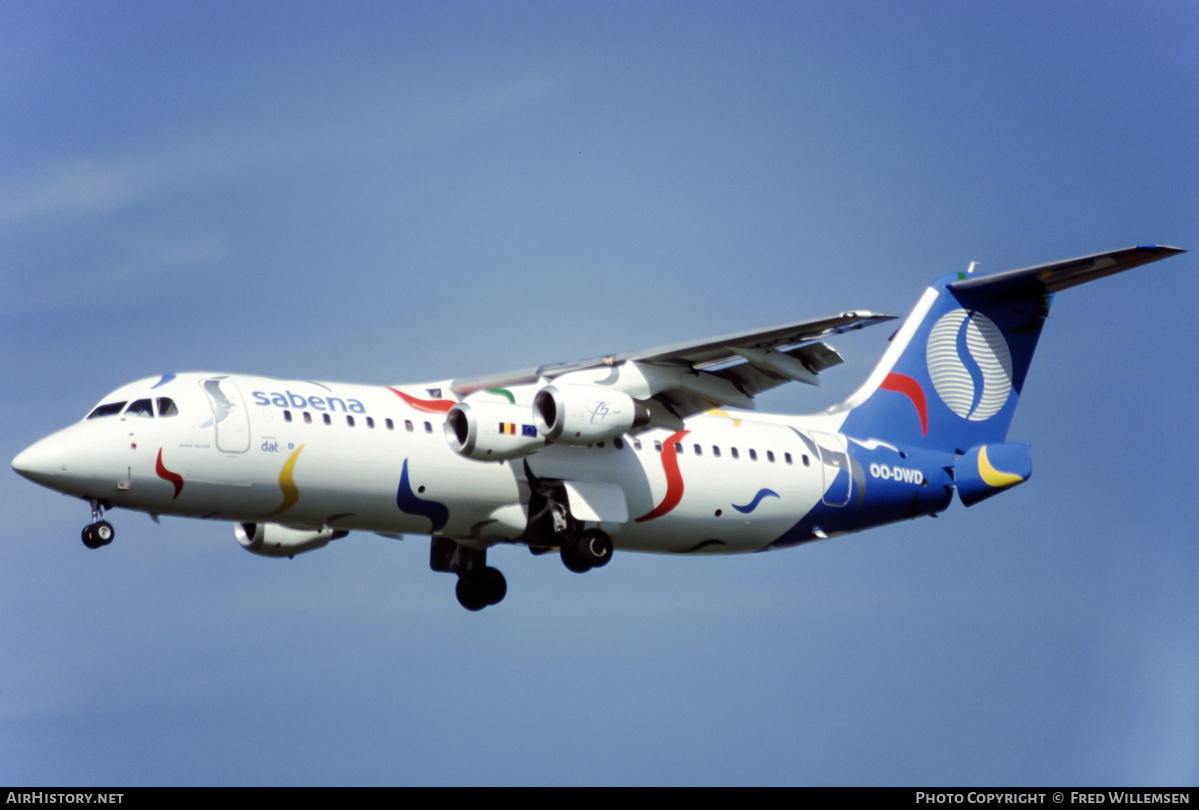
point(273, 540)
point(491, 431)
point(585, 414)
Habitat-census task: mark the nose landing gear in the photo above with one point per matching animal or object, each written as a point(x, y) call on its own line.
point(99, 532)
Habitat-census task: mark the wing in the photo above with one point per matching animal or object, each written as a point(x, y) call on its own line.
point(686, 378)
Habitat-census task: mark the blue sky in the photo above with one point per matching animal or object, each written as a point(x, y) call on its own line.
point(397, 192)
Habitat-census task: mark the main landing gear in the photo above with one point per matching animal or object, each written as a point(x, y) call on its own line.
point(99, 532)
point(552, 526)
point(478, 584)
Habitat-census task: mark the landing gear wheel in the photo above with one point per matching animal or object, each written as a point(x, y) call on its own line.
point(99, 532)
point(595, 547)
point(573, 560)
point(592, 549)
point(478, 589)
point(493, 585)
point(468, 595)
point(89, 537)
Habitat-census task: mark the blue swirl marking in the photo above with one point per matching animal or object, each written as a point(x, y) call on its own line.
point(166, 378)
point(970, 362)
point(752, 505)
point(409, 504)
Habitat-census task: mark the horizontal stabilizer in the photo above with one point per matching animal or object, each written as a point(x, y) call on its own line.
point(1050, 278)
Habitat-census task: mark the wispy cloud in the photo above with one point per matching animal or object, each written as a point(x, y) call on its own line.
point(90, 186)
point(143, 260)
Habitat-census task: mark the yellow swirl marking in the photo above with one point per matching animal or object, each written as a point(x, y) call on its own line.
point(291, 493)
point(992, 476)
point(718, 412)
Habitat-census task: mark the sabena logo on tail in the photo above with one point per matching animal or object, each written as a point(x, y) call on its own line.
point(970, 364)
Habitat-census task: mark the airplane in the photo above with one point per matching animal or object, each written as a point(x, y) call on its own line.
point(659, 450)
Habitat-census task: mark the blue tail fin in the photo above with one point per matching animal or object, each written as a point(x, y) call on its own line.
point(954, 371)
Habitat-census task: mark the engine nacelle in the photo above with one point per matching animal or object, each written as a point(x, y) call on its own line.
point(491, 431)
point(585, 414)
point(273, 540)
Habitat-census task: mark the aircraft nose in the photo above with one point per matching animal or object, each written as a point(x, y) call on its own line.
point(41, 461)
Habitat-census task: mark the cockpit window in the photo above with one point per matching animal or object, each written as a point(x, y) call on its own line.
point(141, 407)
point(166, 407)
point(107, 409)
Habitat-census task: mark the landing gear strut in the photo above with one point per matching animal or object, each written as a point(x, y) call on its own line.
point(99, 532)
point(478, 584)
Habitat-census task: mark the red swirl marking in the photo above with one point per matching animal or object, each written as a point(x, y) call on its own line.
point(674, 479)
point(167, 475)
point(902, 384)
point(426, 405)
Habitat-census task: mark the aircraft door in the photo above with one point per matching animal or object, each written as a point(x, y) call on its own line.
point(834, 463)
point(231, 420)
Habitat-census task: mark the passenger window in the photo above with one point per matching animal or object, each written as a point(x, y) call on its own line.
point(806, 463)
point(657, 447)
point(770, 456)
point(325, 418)
point(390, 424)
point(287, 416)
point(733, 452)
point(166, 407)
point(307, 418)
point(636, 444)
point(111, 409)
point(753, 455)
point(370, 422)
point(699, 451)
point(428, 428)
point(678, 448)
point(787, 457)
point(716, 451)
point(618, 443)
point(141, 407)
point(408, 425)
point(350, 421)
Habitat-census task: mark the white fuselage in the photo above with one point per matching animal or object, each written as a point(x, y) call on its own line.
point(355, 457)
